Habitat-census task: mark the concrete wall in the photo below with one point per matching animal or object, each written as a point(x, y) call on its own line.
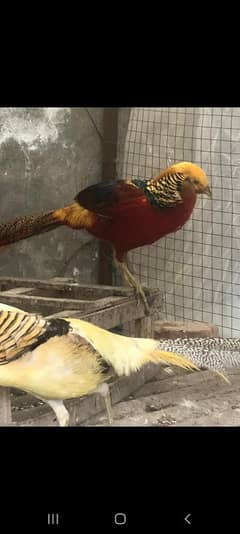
point(47, 155)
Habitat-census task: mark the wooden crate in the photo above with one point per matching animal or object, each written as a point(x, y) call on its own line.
point(105, 306)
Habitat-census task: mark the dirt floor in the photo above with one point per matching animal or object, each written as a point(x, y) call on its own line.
point(179, 398)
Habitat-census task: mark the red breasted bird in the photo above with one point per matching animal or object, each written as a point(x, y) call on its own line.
point(126, 213)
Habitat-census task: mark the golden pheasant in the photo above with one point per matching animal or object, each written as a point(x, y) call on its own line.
point(58, 359)
point(126, 213)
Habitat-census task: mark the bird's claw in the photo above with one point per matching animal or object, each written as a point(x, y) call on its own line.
point(140, 295)
point(134, 284)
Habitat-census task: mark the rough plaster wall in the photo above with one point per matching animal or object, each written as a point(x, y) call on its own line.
point(47, 155)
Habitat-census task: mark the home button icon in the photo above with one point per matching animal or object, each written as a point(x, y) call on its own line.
point(120, 519)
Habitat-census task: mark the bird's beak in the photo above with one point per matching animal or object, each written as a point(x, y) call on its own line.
point(208, 192)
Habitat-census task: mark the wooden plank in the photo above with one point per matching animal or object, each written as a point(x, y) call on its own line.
point(5, 407)
point(44, 305)
point(122, 313)
point(16, 291)
point(32, 298)
point(116, 315)
point(72, 290)
point(175, 329)
point(144, 327)
point(81, 292)
point(67, 284)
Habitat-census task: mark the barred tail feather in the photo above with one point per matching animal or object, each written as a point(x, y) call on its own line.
point(24, 227)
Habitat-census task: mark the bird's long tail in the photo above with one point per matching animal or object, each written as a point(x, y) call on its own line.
point(24, 227)
point(73, 216)
point(213, 353)
point(127, 354)
point(217, 354)
point(170, 358)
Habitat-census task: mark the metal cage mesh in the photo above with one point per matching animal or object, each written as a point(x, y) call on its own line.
point(197, 268)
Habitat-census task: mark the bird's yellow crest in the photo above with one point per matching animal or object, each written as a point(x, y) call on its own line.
point(192, 172)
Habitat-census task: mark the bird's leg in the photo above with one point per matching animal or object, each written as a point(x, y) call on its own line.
point(103, 390)
point(133, 283)
point(61, 412)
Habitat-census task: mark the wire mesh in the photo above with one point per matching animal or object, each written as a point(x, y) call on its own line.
point(198, 267)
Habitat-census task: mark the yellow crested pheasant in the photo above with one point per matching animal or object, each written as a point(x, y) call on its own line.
point(57, 359)
point(126, 213)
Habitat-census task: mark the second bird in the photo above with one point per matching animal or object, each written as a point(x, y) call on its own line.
point(126, 213)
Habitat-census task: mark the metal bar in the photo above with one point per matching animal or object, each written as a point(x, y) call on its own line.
point(109, 172)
